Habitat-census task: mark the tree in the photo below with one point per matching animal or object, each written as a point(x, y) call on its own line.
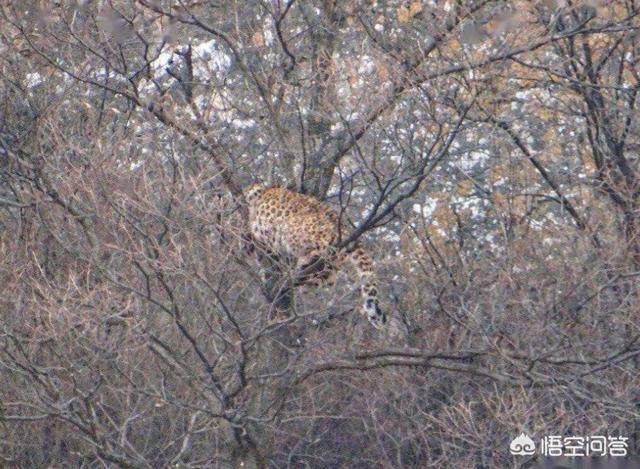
point(476, 146)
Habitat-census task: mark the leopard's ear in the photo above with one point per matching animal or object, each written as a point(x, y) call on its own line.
point(253, 191)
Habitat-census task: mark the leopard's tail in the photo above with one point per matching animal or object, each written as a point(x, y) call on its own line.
point(363, 265)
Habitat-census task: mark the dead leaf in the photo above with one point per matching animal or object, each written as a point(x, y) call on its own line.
point(258, 39)
point(403, 14)
point(406, 13)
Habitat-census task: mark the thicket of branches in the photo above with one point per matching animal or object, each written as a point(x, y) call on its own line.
point(485, 152)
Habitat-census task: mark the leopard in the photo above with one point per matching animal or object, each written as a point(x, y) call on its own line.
point(305, 230)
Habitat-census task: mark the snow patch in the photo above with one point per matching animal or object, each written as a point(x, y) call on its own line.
point(33, 79)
